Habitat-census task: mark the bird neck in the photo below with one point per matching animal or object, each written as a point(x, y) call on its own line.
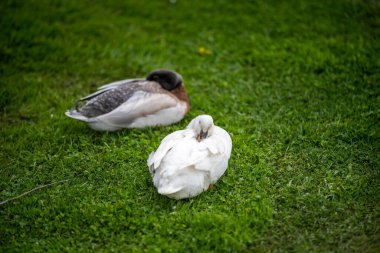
point(181, 94)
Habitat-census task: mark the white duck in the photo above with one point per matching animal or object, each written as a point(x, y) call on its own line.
point(160, 99)
point(188, 161)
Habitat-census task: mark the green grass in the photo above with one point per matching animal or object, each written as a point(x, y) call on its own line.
point(296, 83)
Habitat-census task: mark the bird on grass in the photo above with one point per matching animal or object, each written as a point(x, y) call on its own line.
point(158, 100)
point(189, 161)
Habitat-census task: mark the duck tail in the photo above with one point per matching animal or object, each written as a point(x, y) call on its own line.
point(73, 113)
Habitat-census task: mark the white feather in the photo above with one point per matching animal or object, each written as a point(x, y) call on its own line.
point(183, 167)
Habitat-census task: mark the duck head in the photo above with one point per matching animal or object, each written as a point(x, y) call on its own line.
point(203, 125)
point(169, 80)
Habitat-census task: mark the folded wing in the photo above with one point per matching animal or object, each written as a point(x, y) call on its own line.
point(108, 87)
point(141, 104)
point(167, 144)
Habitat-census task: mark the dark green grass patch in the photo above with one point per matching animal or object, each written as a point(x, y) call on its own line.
point(295, 83)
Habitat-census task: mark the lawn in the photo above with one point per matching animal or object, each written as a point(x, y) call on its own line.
point(295, 83)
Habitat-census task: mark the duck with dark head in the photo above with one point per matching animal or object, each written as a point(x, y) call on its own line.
point(158, 100)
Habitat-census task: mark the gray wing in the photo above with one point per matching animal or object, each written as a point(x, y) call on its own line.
point(110, 86)
point(114, 95)
point(141, 104)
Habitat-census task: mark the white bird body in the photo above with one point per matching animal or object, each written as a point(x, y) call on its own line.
point(184, 165)
point(160, 99)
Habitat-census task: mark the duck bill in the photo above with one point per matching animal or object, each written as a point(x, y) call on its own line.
point(203, 135)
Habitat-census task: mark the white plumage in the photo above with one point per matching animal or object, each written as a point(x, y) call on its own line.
point(188, 161)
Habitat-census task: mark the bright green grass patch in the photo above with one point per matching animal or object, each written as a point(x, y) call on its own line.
point(296, 83)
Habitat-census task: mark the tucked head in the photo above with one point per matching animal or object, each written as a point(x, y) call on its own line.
point(169, 80)
point(203, 126)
